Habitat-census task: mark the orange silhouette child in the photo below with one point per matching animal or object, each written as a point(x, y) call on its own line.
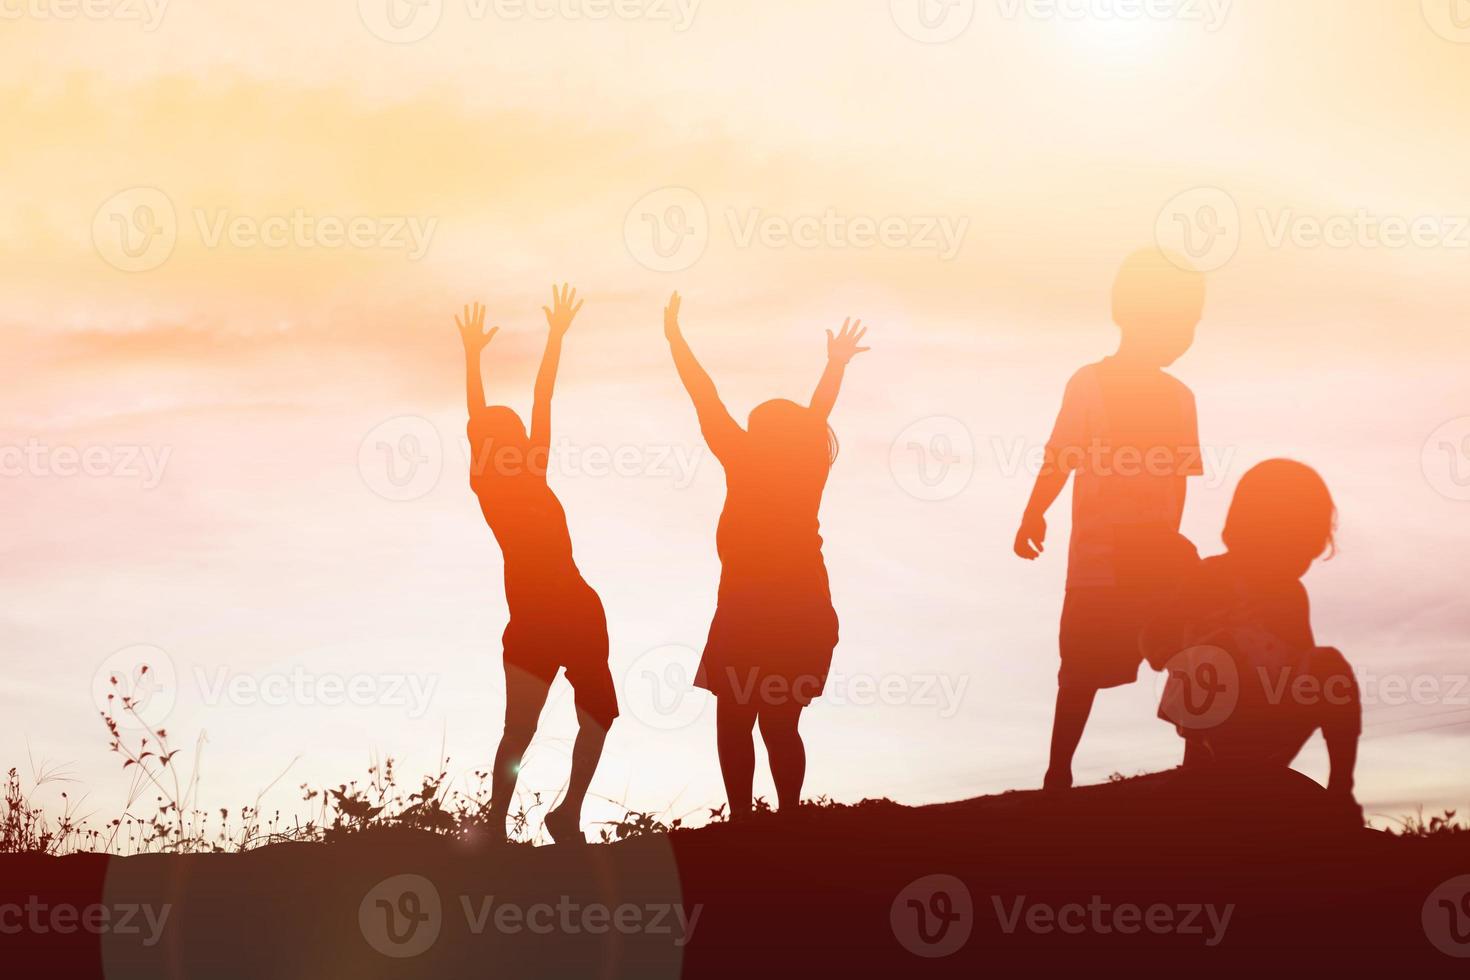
point(770, 644)
point(556, 619)
point(1249, 685)
point(1128, 431)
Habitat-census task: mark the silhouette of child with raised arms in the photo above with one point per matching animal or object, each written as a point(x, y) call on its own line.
point(1128, 431)
point(556, 619)
point(770, 644)
point(1249, 605)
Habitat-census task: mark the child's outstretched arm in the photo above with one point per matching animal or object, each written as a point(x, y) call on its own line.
point(559, 315)
point(476, 338)
point(840, 349)
point(1031, 538)
point(714, 419)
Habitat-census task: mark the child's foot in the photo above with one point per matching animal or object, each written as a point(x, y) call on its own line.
point(488, 826)
point(789, 815)
point(565, 827)
point(1345, 807)
point(740, 818)
point(1056, 782)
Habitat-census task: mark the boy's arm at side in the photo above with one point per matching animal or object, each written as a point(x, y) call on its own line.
point(1050, 482)
point(1069, 433)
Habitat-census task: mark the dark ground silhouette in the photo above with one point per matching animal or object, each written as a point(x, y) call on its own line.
point(838, 891)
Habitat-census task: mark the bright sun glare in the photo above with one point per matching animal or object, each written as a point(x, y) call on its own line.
point(1117, 37)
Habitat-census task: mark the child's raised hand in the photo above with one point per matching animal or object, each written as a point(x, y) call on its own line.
point(563, 309)
point(472, 328)
point(671, 317)
point(843, 347)
point(1031, 538)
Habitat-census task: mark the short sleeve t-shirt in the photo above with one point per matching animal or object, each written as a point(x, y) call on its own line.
point(1131, 436)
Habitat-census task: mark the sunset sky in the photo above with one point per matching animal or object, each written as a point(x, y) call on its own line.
point(234, 237)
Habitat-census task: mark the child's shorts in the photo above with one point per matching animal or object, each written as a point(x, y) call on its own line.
point(1100, 631)
point(576, 639)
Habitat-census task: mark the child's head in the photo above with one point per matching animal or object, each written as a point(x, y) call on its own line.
point(499, 446)
point(1157, 303)
point(792, 434)
point(1282, 518)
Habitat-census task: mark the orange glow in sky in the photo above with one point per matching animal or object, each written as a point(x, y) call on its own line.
point(234, 238)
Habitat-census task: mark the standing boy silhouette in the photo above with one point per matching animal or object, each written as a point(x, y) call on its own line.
point(1128, 430)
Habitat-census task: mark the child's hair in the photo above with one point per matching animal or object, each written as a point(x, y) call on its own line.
point(794, 431)
point(1157, 290)
point(498, 443)
point(1282, 510)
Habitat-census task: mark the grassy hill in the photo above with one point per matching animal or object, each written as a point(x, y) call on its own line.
point(1150, 875)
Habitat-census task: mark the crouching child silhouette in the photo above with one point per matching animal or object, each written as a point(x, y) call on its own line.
point(1128, 431)
point(1248, 685)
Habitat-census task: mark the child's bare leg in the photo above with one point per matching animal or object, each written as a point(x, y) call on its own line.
point(1196, 753)
point(566, 820)
point(1074, 707)
point(780, 731)
point(734, 724)
point(525, 696)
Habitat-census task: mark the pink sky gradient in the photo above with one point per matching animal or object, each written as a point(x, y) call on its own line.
point(257, 373)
